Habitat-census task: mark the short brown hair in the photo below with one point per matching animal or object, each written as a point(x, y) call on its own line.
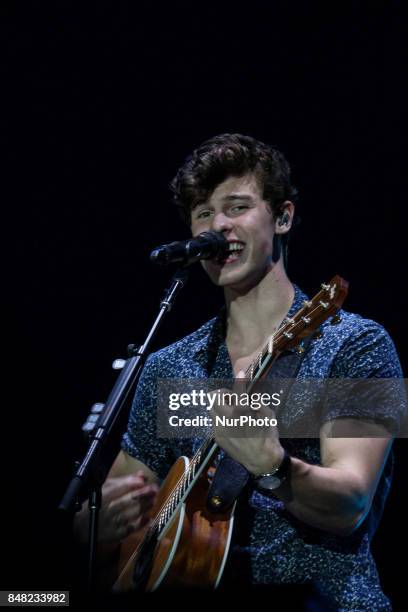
point(234, 155)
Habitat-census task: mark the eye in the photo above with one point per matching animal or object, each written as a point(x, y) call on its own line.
point(239, 208)
point(203, 214)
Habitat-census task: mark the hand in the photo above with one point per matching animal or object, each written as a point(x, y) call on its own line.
point(126, 501)
point(256, 447)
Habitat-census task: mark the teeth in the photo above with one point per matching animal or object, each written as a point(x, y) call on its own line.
point(235, 246)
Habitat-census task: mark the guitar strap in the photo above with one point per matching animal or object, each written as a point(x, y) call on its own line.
point(231, 477)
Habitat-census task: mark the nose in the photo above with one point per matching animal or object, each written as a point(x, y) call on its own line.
point(221, 223)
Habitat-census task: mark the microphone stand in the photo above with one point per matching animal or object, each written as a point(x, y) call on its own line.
point(91, 472)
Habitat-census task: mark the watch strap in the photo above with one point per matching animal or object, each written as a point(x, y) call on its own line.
point(282, 471)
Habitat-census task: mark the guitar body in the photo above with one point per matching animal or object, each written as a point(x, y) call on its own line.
point(192, 549)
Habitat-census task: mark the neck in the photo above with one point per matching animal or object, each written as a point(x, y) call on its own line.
point(254, 313)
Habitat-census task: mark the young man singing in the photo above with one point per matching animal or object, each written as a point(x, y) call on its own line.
point(317, 525)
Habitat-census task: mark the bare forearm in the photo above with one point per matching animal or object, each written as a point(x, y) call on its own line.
point(323, 497)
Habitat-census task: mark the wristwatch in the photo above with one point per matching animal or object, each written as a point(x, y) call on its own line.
point(270, 482)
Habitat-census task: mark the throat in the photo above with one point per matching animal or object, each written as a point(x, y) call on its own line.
point(251, 322)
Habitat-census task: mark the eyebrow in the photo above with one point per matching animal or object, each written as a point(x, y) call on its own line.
point(238, 196)
point(227, 198)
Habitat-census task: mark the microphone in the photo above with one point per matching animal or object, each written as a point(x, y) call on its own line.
point(207, 245)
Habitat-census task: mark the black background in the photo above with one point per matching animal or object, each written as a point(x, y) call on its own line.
point(103, 101)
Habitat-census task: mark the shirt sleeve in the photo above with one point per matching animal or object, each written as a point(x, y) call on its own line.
point(140, 440)
point(366, 380)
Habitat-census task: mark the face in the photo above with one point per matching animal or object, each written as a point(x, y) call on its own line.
point(237, 209)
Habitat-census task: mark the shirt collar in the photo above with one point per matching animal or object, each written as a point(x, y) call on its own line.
point(212, 333)
point(298, 300)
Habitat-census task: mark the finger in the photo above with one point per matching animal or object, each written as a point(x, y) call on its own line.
point(123, 518)
point(131, 502)
point(115, 487)
point(224, 402)
point(120, 485)
point(137, 524)
point(138, 508)
point(142, 498)
point(240, 382)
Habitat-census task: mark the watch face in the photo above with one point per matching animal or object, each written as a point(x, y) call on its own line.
point(269, 482)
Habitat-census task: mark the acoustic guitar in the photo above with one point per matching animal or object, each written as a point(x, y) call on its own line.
point(184, 544)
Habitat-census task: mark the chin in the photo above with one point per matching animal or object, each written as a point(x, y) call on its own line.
point(240, 277)
point(239, 281)
point(224, 276)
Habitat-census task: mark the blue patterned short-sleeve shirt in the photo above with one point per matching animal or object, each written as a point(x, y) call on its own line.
point(277, 547)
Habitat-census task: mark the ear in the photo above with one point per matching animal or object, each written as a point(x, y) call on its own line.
point(283, 223)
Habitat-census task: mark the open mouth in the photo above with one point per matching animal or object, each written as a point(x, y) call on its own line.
point(235, 250)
